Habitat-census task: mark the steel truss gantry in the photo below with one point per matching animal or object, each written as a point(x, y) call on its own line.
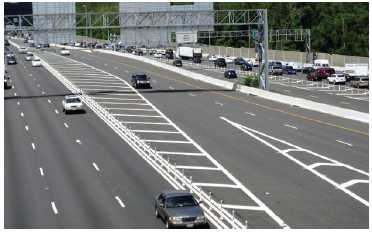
point(172, 20)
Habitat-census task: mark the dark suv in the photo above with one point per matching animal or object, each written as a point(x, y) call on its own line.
point(140, 80)
point(220, 62)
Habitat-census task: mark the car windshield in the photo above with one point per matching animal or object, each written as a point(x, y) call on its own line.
point(141, 77)
point(73, 100)
point(181, 201)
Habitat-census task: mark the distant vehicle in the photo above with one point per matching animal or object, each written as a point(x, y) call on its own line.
point(254, 62)
point(6, 49)
point(357, 70)
point(72, 103)
point(65, 51)
point(25, 41)
point(295, 65)
point(246, 67)
point(11, 60)
point(6, 42)
point(169, 56)
point(348, 77)
point(220, 62)
point(46, 45)
point(229, 60)
point(9, 54)
point(230, 74)
point(29, 57)
point(275, 70)
point(39, 46)
point(78, 44)
point(289, 70)
point(188, 52)
point(326, 72)
point(212, 58)
point(158, 55)
point(22, 50)
point(6, 79)
point(306, 70)
point(32, 45)
point(139, 52)
point(239, 61)
point(140, 80)
point(276, 64)
point(36, 62)
point(321, 64)
point(179, 208)
point(169, 51)
point(153, 51)
point(337, 79)
point(209, 56)
point(177, 63)
point(359, 82)
point(196, 60)
point(313, 76)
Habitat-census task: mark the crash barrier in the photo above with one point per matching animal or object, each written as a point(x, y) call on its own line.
point(298, 102)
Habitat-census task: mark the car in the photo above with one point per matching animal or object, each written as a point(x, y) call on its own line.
point(326, 72)
point(29, 57)
point(177, 62)
point(72, 44)
point(209, 56)
point(65, 51)
point(289, 70)
point(337, 78)
point(359, 82)
point(239, 61)
point(314, 76)
point(348, 77)
point(6, 79)
point(140, 80)
point(32, 45)
point(6, 49)
point(22, 50)
point(179, 208)
point(78, 44)
point(36, 62)
point(230, 74)
point(46, 45)
point(8, 54)
point(212, 58)
point(39, 46)
point(169, 56)
point(229, 60)
point(11, 60)
point(72, 103)
point(139, 52)
point(196, 60)
point(276, 64)
point(246, 67)
point(220, 62)
point(254, 62)
point(307, 70)
point(275, 70)
point(158, 55)
point(6, 43)
point(25, 41)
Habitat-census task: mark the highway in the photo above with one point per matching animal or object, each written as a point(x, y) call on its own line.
point(309, 169)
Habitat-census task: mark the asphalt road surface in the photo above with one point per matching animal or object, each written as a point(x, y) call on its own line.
point(291, 159)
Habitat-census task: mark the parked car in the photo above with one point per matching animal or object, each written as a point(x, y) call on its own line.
point(229, 60)
point(359, 82)
point(289, 70)
point(230, 74)
point(337, 79)
point(306, 70)
point(296, 65)
point(65, 51)
point(140, 80)
point(220, 62)
point(196, 60)
point(46, 45)
point(239, 61)
point(39, 46)
point(246, 67)
point(275, 70)
point(326, 72)
point(158, 55)
point(29, 57)
point(314, 76)
point(276, 64)
point(32, 45)
point(177, 62)
point(254, 62)
point(139, 52)
point(72, 103)
point(212, 58)
point(11, 60)
point(179, 208)
point(36, 62)
point(6, 49)
point(348, 77)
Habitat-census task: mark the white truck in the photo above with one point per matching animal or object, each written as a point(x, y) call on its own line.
point(357, 70)
point(188, 52)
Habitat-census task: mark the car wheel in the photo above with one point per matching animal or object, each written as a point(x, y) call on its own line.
point(157, 213)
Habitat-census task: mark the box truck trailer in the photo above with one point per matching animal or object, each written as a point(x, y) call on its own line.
point(188, 52)
point(357, 70)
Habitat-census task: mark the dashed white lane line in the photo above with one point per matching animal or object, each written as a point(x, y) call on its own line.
point(120, 202)
point(54, 208)
point(218, 103)
point(287, 91)
point(41, 171)
point(38, 86)
point(18, 103)
point(95, 166)
point(313, 96)
point(154, 81)
point(49, 101)
point(30, 75)
point(126, 71)
point(250, 113)
point(12, 87)
point(22, 114)
point(192, 95)
point(115, 68)
point(42, 92)
point(78, 141)
point(97, 62)
point(171, 87)
point(344, 143)
point(66, 125)
point(56, 111)
point(291, 126)
point(33, 146)
point(26, 127)
point(15, 94)
point(346, 103)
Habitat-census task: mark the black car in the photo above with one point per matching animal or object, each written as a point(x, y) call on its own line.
point(6, 43)
point(25, 41)
point(196, 60)
point(220, 62)
point(140, 80)
point(348, 77)
point(139, 52)
point(169, 56)
point(246, 67)
point(177, 63)
point(32, 45)
point(239, 61)
point(230, 74)
point(46, 45)
point(307, 70)
point(12, 60)
point(314, 76)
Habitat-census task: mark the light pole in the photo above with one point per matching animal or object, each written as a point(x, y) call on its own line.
point(86, 25)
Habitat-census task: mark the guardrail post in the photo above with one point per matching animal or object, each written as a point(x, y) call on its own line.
point(246, 224)
point(201, 197)
point(161, 160)
point(233, 219)
point(221, 210)
point(183, 177)
point(190, 184)
point(210, 200)
point(168, 164)
point(155, 154)
point(175, 172)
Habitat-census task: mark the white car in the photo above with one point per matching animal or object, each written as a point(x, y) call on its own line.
point(212, 58)
point(22, 50)
point(229, 60)
point(29, 57)
point(64, 51)
point(337, 78)
point(36, 62)
point(158, 55)
point(72, 103)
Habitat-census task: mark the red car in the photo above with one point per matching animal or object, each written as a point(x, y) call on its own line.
point(326, 72)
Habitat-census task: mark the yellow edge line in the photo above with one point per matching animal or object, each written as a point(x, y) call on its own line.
point(238, 99)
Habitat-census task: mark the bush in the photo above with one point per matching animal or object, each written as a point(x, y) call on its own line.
point(251, 81)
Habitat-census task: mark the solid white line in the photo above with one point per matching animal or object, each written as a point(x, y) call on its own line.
point(41, 171)
point(180, 153)
point(161, 132)
point(352, 182)
point(66, 125)
point(26, 127)
point(241, 207)
point(120, 202)
point(287, 91)
point(54, 208)
point(33, 146)
point(217, 185)
point(250, 114)
point(56, 111)
point(167, 141)
point(291, 126)
point(197, 168)
point(123, 103)
point(345, 103)
point(148, 123)
point(323, 164)
point(143, 116)
point(22, 114)
point(119, 99)
point(130, 109)
point(344, 143)
point(95, 166)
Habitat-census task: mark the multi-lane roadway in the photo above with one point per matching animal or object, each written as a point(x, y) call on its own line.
point(309, 170)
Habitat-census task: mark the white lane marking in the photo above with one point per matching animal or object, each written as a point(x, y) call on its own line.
point(286, 91)
point(54, 208)
point(192, 95)
point(22, 114)
point(120, 202)
point(115, 68)
point(218, 185)
point(66, 125)
point(15, 94)
point(218, 103)
point(344, 143)
point(49, 101)
point(38, 86)
point(41, 171)
point(26, 127)
point(352, 182)
point(143, 116)
point(250, 113)
point(97, 62)
point(345, 103)
point(90, 59)
point(171, 87)
point(56, 111)
point(251, 132)
point(78, 141)
point(106, 64)
point(30, 75)
point(33, 146)
point(42, 92)
point(34, 79)
point(95, 166)
point(291, 126)
point(242, 207)
point(313, 96)
point(24, 66)
point(12, 87)
point(153, 131)
point(126, 71)
point(197, 168)
point(323, 164)
point(154, 81)
point(147, 123)
point(18, 103)
point(180, 153)
point(167, 141)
